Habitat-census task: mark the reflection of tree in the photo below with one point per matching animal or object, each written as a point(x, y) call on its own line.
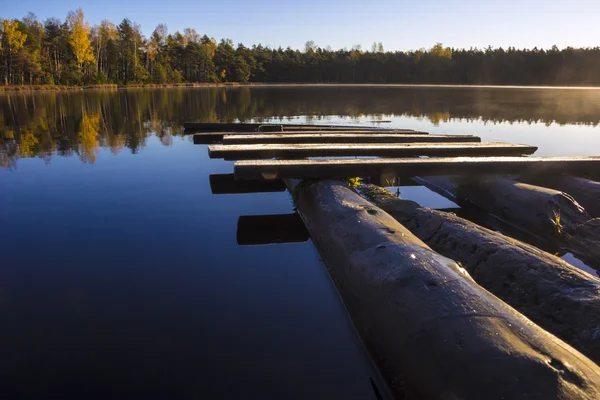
point(27, 144)
point(46, 123)
point(88, 134)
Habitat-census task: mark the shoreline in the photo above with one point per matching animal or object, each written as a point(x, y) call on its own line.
point(31, 88)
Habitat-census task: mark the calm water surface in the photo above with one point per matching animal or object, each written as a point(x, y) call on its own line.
point(120, 272)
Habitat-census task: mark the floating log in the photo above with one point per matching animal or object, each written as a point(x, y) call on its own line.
point(346, 137)
point(257, 151)
point(226, 184)
point(554, 294)
point(271, 229)
point(547, 213)
point(434, 332)
point(585, 191)
point(340, 168)
point(253, 127)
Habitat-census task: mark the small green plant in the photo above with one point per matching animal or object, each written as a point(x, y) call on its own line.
point(353, 182)
point(556, 221)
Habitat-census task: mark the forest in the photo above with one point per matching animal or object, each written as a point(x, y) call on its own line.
point(71, 52)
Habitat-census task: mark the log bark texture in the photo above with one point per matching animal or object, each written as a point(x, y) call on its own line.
point(585, 191)
point(554, 294)
point(434, 331)
point(547, 213)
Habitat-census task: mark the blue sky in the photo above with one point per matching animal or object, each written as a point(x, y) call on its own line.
point(400, 24)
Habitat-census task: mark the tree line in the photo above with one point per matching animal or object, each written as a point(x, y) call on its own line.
point(71, 52)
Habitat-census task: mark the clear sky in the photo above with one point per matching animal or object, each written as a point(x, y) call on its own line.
point(398, 24)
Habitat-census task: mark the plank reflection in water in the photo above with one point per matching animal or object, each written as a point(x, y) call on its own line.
point(271, 229)
point(226, 184)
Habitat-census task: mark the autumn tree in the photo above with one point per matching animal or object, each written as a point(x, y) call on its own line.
point(79, 39)
point(11, 41)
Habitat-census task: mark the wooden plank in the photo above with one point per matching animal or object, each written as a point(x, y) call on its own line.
point(211, 137)
point(227, 184)
point(347, 137)
point(257, 151)
point(274, 169)
point(251, 127)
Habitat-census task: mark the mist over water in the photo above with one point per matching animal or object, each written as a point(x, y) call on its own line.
point(80, 123)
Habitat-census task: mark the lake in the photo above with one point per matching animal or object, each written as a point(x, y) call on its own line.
point(122, 275)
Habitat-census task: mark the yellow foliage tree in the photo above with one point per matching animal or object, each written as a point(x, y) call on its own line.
point(79, 38)
point(88, 137)
point(440, 51)
point(11, 41)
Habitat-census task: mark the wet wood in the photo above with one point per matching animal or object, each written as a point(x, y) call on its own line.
point(270, 229)
point(340, 168)
point(585, 191)
point(547, 213)
point(191, 127)
point(226, 184)
point(553, 293)
point(217, 137)
point(257, 151)
point(434, 332)
point(346, 137)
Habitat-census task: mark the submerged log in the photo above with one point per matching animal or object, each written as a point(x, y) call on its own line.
point(554, 294)
point(547, 213)
point(434, 332)
point(585, 191)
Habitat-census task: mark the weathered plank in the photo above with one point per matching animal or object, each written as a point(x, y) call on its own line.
point(340, 168)
point(215, 137)
point(270, 229)
point(434, 332)
point(585, 191)
point(257, 151)
point(251, 127)
point(346, 137)
point(227, 184)
point(553, 293)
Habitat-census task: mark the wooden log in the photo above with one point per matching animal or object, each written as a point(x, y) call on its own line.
point(554, 294)
point(340, 168)
point(226, 184)
point(257, 151)
point(585, 191)
point(547, 213)
point(434, 332)
point(345, 138)
point(270, 229)
point(252, 127)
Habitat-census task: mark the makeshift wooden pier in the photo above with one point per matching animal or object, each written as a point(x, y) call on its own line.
point(436, 329)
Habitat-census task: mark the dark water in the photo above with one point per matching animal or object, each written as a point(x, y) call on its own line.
point(120, 271)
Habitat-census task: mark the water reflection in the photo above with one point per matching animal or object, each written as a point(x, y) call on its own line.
point(66, 123)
